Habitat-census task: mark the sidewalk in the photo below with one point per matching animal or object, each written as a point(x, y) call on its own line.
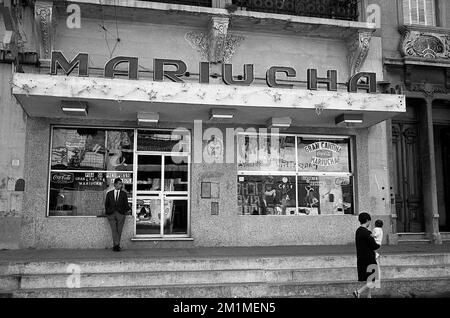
point(27, 255)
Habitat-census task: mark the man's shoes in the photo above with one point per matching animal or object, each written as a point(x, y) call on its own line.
point(116, 248)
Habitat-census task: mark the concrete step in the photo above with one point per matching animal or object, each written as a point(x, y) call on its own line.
point(9, 283)
point(213, 263)
point(413, 238)
point(407, 287)
point(389, 288)
point(225, 276)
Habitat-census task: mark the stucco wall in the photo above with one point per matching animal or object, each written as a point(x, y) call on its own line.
point(12, 147)
point(148, 41)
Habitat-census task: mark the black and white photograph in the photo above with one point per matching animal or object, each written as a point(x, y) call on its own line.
point(225, 156)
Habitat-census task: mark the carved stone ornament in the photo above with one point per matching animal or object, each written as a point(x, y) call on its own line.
point(44, 19)
point(428, 90)
point(358, 47)
point(217, 38)
point(14, 36)
point(215, 45)
point(425, 44)
point(410, 135)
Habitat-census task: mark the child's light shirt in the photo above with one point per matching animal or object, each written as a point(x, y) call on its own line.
point(378, 235)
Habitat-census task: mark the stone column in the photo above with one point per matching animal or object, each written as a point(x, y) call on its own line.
point(44, 15)
point(430, 201)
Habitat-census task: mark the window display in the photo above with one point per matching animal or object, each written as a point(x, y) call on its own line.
point(318, 181)
point(166, 141)
point(83, 193)
point(84, 163)
point(266, 153)
point(261, 195)
point(92, 149)
point(324, 195)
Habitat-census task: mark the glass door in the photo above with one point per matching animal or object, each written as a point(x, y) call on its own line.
point(162, 189)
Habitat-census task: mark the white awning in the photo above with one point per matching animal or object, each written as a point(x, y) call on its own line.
point(121, 99)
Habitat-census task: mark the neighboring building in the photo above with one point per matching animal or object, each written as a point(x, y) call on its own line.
point(311, 71)
point(416, 58)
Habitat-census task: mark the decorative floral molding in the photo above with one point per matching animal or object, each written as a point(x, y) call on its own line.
point(44, 19)
point(428, 45)
point(217, 37)
point(358, 47)
point(215, 45)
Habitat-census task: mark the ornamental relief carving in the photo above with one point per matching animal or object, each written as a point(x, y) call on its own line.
point(216, 44)
point(358, 47)
point(425, 44)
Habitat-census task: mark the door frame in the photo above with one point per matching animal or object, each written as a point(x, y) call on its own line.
point(446, 171)
point(407, 221)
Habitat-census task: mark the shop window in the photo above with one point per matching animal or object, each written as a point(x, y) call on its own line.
point(294, 175)
point(84, 164)
point(421, 12)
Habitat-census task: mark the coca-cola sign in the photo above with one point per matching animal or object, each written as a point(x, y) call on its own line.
point(62, 177)
point(160, 73)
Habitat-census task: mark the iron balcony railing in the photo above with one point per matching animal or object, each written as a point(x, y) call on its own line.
point(198, 3)
point(329, 9)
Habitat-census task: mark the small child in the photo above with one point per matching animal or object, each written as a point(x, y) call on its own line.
point(377, 234)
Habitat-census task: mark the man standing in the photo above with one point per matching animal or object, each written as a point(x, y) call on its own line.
point(116, 207)
point(365, 253)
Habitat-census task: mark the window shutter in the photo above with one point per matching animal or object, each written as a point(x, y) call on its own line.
point(421, 12)
point(414, 11)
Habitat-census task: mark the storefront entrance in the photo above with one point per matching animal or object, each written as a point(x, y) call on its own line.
point(161, 187)
point(407, 177)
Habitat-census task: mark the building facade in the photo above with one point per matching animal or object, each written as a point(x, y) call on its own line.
point(231, 123)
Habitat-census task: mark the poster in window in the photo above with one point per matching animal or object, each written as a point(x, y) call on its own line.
point(83, 193)
point(266, 153)
point(267, 195)
point(119, 150)
point(81, 148)
point(309, 195)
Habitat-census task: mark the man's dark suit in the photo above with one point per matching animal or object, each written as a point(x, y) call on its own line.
point(365, 252)
point(115, 211)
